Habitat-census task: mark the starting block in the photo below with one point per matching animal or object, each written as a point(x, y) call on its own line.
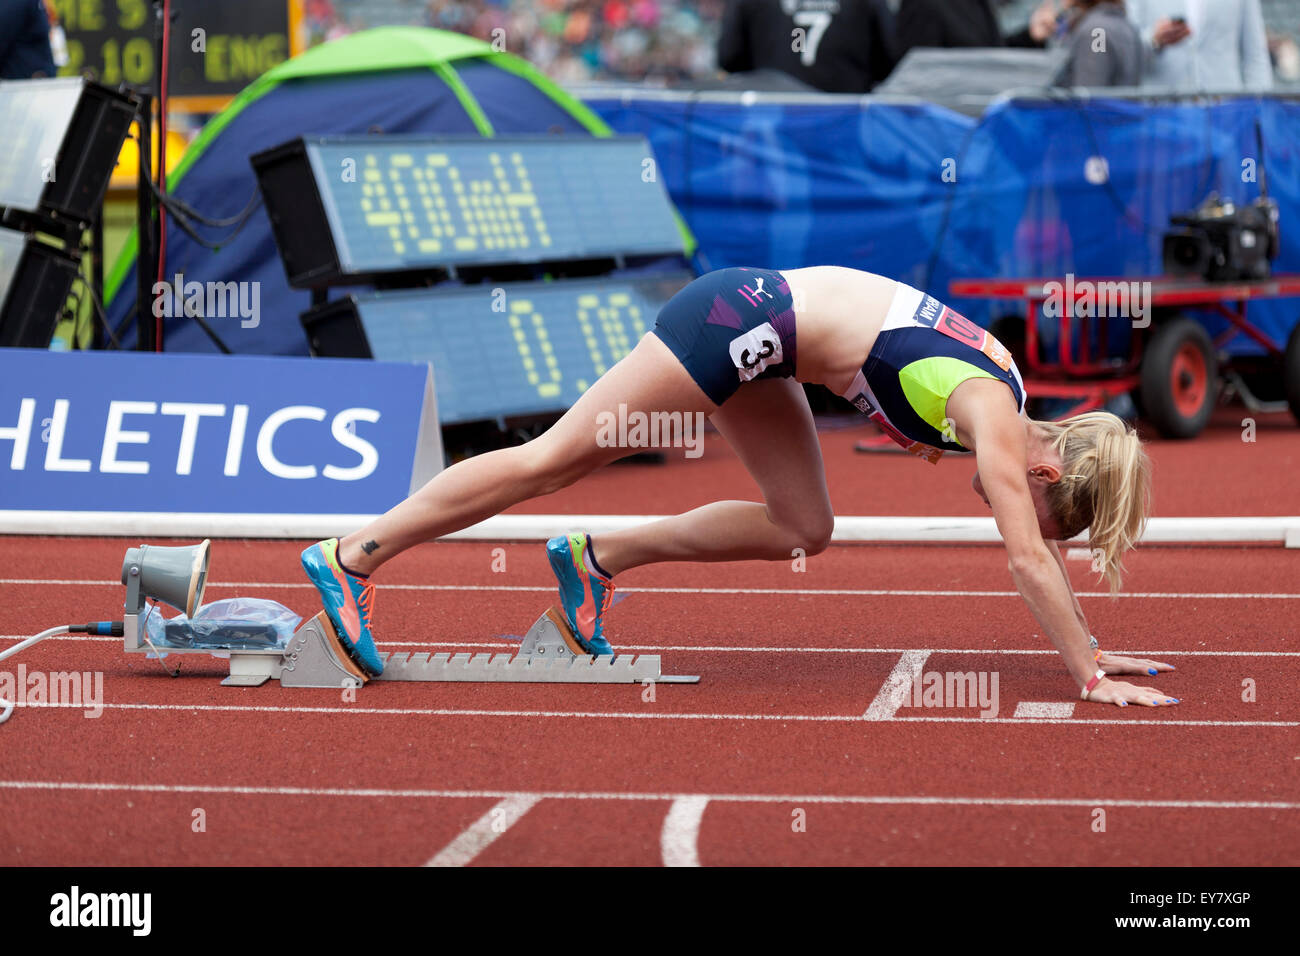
point(549, 654)
point(314, 657)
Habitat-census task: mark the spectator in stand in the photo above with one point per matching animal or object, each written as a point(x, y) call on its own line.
point(967, 23)
point(25, 40)
point(320, 21)
point(837, 46)
point(1198, 45)
point(1105, 49)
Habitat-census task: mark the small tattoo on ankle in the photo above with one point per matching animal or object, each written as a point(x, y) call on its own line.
point(370, 547)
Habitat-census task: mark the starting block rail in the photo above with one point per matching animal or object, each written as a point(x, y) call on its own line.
point(547, 655)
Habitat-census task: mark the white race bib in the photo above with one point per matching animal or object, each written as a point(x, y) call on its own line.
point(755, 351)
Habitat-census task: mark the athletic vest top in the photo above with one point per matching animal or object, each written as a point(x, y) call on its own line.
point(924, 351)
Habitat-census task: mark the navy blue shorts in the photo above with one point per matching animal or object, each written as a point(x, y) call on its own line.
point(730, 327)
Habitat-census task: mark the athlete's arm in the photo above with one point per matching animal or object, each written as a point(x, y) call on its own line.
point(998, 435)
point(1060, 562)
point(1110, 663)
point(1001, 452)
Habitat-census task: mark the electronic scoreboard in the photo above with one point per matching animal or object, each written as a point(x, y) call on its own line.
point(349, 210)
point(217, 48)
point(512, 349)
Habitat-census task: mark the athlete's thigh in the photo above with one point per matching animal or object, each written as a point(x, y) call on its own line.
point(770, 426)
point(648, 379)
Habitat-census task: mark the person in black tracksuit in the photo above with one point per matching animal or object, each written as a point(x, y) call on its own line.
point(837, 46)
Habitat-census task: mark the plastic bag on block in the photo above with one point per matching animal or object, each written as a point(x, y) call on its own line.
point(233, 624)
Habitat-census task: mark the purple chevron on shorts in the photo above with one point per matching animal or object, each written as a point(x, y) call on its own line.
point(723, 314)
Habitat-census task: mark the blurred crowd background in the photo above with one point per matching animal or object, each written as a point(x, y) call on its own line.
point(660, 42)
point(843, 46)
point(574, 41)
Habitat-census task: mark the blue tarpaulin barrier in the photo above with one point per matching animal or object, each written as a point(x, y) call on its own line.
point(1037, 187)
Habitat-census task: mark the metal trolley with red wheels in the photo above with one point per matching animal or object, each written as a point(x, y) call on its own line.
point(1170, 365)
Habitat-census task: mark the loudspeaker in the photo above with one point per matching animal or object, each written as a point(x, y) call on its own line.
point(175, 576)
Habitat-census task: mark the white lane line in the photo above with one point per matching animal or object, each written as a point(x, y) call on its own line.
point(679, 840)
point(485, 830)
point(831, 592)
point(743, 649)
point(1099, 721)
point(1044, 709)
point(655, 715)
point(897, 686)
point(869, 799)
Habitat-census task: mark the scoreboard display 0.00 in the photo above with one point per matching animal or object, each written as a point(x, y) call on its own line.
point(498, 350)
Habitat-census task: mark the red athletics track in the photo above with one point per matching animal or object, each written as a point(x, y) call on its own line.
point(715, 773)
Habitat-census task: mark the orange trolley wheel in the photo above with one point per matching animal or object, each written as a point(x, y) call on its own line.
point(1180, 379)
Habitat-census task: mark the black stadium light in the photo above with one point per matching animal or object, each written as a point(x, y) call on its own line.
point(35, 279)
point(60, 142)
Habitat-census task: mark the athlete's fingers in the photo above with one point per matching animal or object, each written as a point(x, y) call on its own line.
point(1122, 694)
point(1117, 664)
point(1155, 698)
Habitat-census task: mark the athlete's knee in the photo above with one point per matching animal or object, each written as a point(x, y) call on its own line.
point(817, 538)
point(811, 532)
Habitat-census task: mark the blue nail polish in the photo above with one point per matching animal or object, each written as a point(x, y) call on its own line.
point(1152, 671)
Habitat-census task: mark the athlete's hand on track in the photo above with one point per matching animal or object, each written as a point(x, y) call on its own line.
point(1115, 664)
point(1122, 694)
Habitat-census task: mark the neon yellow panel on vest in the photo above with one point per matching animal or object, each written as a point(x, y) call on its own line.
point(928, 383)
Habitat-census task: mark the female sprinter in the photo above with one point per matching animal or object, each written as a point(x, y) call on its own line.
point(725, 346)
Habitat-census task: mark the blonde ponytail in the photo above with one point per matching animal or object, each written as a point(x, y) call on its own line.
point(1105, 486)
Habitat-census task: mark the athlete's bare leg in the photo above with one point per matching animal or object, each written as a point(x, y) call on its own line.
point(771, 428)
point(648, 379)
